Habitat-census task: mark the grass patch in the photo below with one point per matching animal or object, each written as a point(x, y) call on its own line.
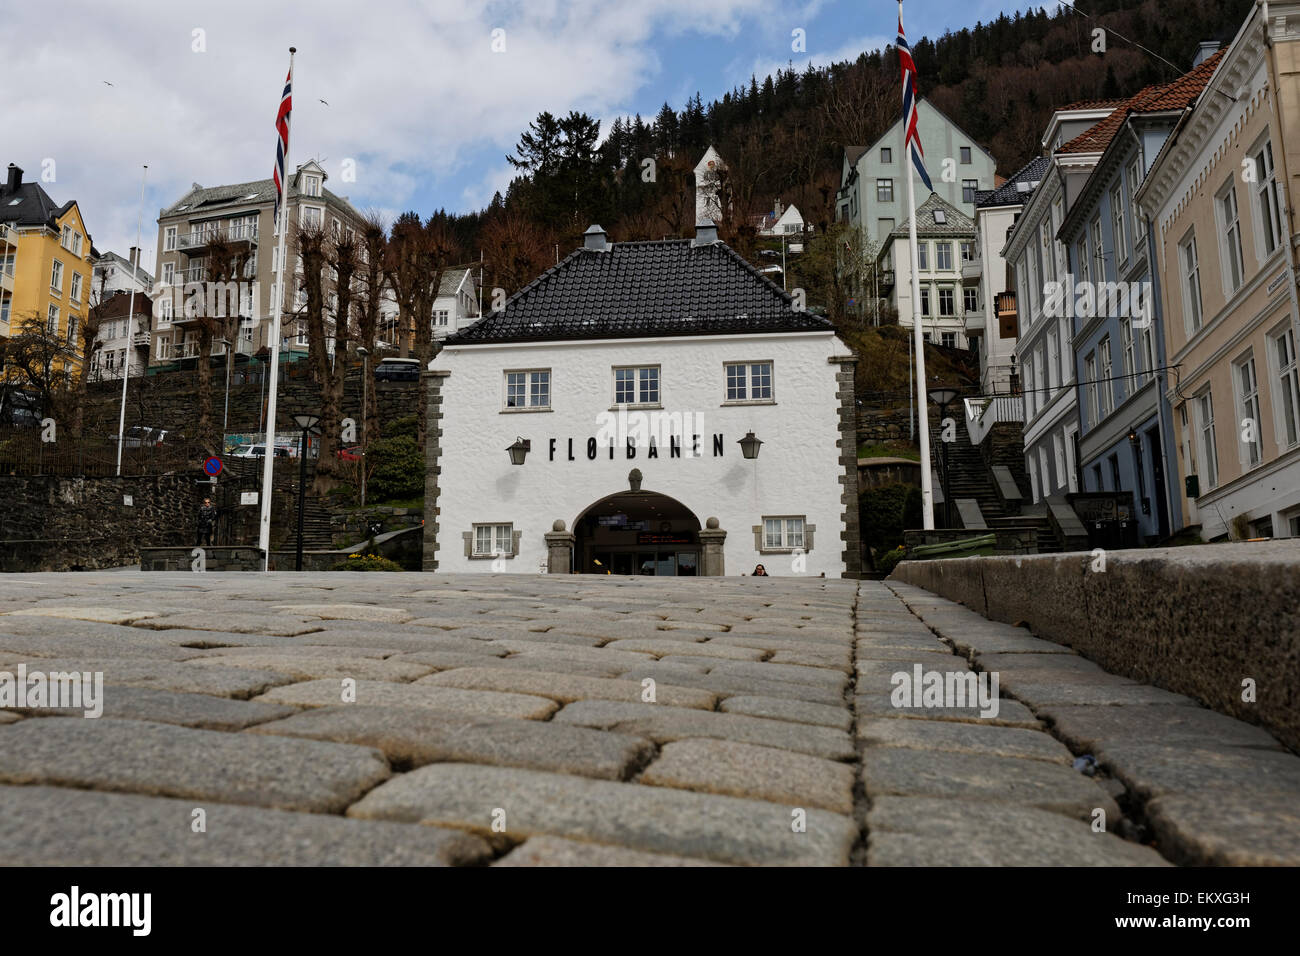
point(889, 449)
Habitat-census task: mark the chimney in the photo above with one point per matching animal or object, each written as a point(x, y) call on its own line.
point(135, 257)
point(777, 210)
point(705, 233)
point(594, 238)
point(15, 179)
point(1204, 51)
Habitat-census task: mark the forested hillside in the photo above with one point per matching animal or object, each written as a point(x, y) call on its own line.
point(783, 135)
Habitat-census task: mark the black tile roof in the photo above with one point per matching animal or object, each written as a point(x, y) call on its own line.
point(34, 207)
point(630, 289)
point(1007, 194)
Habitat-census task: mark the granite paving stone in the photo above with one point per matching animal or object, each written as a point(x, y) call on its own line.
point(327, 693)
point(566, 687)
point(557, 851)
point(926, 831)
point(666, 724)
point(204, 711)
point(55, 826)
point(165, 760)
point(310, 667)
point(660, 647)
point(794, 711)
point(1232, 829)
point(746, 770)
point(414, 736)
point(725, 685)
point(968, 738)
point(965, 776)
point(639, 817)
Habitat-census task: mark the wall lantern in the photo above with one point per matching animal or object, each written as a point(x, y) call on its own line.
point(518, 450)
point(749, 445)
point(1133, 437)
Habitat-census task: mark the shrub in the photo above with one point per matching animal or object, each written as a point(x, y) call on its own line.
point(366, 562)
point(405, 427)
point(889, 560)
point(884, 513)
point(398, 469)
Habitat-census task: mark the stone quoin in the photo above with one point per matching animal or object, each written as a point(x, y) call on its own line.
point(644, 408)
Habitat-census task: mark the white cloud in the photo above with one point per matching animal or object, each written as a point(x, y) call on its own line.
point(412, 90)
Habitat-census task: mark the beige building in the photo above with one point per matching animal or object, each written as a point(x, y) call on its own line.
point(244, 213)
point(1225, 238)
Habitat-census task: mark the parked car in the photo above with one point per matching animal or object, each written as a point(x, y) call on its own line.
point(259, 451)
point(351, 453)
point(398, 370)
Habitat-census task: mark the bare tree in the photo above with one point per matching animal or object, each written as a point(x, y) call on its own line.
point(214, 307)
point(516, 250)
point(372, 252)
point(861, 104)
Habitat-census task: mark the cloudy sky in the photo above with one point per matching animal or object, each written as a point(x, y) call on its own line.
point(414, 94)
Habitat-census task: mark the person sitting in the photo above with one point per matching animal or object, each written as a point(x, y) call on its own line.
point(760, 571)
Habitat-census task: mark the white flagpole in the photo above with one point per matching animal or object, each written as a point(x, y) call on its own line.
point(918, 341)
point(268, 460)
point(130, 313)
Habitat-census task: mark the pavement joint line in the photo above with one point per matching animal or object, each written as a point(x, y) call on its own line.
point(861, 802)
point(1133, 822)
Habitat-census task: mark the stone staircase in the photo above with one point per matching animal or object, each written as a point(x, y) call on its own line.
point(316, 527)
point(970, 477)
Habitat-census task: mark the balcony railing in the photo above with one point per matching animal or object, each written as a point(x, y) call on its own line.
point(972, 270)
point(1008, 320)
point(141, 339)
point(985, 412)
point(200, 238)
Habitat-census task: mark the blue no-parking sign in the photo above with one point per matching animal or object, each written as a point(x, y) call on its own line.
point(212, 467)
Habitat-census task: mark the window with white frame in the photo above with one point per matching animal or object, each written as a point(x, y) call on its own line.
point(492, 540)
point(168, 273)
point(1209, 453)
point(1191, 275)
point(1049, 252)
point(1053, 363)
point(1148, 352)
point(164, 347)
point(76, 244)
point(311, 185)
point(1243, 371)
point(72, 331)
point(1128, 354)
point(1234, 270)
point(943, 256)
point(1097, 249)
point(1084, 266)
point(167, 312)
point(169, 239)
point(925, 300)
point(1104, 367)
point(56, 277)
point(1287, 387)
point(1266, 197)
point(312, 217)
point(636, 385)
point(1117, 223)
point(65, 238)
point(300, 339)
point(967, 250)
point(441, 317)
point(1032, 404)
point(75, 290)
point(970, 299)
point(783, 533)
point(52, 320)
point(749, 382)
point(923, 256)
point(947, 301)
point(968, 189)
point(1090, 378)
point(528, 388)
point(948, 339)
point(884, 190)
point(1139, 223)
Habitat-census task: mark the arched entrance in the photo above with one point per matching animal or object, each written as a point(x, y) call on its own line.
point(637, 532)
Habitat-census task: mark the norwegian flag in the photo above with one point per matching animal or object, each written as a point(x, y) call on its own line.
point(912, 140)
point(282, 140)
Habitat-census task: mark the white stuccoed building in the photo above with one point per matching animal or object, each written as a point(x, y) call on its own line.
point(628, 382)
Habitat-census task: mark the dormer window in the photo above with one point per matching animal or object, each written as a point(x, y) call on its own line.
point(312, 187)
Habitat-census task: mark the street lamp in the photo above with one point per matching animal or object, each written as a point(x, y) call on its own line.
point(307, 423)
point(943, 397)
point(365, 405)
point(518, 450)
point(749, 445)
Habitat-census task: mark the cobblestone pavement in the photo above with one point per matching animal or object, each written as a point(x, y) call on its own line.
point(524, 721)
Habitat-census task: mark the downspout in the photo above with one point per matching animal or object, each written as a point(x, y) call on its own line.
point(1158, 334)
point(1275, 90)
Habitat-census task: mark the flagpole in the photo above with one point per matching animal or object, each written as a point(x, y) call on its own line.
point(130, 313)
point(268, 460)
point(918, 341)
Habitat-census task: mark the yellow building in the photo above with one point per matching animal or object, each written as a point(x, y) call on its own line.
point(45, 264)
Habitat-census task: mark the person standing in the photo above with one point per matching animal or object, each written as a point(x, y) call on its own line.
point(207, 521)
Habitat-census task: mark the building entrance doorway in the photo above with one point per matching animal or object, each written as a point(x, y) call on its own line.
point(637, 532)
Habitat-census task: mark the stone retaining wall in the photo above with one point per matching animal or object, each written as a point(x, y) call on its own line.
point(1198, 621)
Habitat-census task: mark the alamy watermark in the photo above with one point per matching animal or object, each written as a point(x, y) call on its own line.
point(920, 688)
point(76, 690)
point(677, 432)
point(1070, 299)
